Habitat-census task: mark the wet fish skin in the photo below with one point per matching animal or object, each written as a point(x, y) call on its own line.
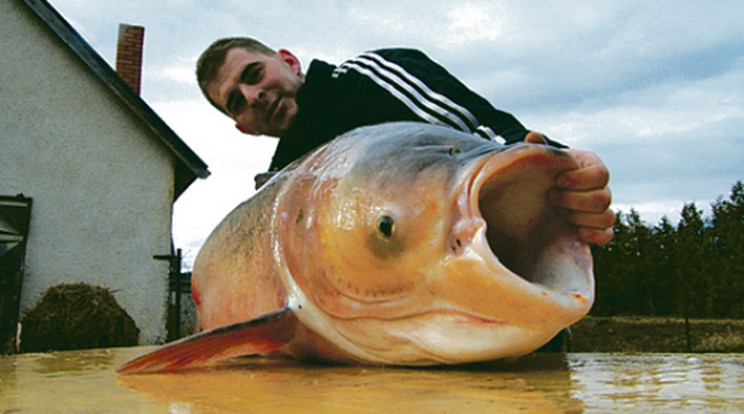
point(402, 243)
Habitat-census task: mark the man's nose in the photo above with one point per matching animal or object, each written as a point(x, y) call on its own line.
point(253, 94)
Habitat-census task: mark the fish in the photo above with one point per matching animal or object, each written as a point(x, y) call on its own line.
point(403, 244)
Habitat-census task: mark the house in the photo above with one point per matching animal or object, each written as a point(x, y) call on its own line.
point(97, 168)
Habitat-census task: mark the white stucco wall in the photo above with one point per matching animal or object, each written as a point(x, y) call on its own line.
point(102, 185)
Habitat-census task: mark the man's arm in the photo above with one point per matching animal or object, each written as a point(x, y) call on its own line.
point(436, 96)
point(404, 84)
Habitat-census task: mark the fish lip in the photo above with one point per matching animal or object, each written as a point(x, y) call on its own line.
point(471, 228)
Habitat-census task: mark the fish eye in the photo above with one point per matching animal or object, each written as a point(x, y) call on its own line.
point(386, 225)
point(454, 151)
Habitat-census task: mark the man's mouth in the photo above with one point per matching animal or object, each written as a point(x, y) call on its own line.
point(276, 109)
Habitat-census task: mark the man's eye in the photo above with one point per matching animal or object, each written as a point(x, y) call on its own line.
point(252, 75)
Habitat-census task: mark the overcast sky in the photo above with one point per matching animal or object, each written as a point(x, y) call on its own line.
point(655, 88)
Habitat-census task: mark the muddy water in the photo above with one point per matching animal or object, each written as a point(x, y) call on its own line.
point(84, 381)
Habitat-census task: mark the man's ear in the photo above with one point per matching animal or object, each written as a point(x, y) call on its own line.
point(245, 130)
point(287, 57)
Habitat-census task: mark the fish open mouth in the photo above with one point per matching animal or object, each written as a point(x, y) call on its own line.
point(523, 229)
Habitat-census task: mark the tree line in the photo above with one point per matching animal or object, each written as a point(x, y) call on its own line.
point(694, 269)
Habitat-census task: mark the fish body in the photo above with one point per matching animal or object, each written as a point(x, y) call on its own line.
point(401, 243)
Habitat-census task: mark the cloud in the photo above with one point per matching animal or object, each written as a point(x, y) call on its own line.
point(471, 22)
point(233, 160)
point(181, 73)
point(655, 88)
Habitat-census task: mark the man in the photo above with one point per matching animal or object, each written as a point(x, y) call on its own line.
point(266, 93)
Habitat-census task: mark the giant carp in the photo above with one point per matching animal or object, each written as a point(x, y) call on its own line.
point(401, 243)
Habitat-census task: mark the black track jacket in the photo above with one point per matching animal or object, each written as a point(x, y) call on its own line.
point(383, 86)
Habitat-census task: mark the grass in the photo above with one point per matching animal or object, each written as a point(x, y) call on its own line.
point(656, 334)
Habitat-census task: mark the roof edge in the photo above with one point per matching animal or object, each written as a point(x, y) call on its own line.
point(69, 36)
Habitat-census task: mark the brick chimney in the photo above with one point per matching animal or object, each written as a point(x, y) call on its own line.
point(129, 55)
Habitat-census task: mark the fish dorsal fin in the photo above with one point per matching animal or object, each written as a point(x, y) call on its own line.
point(263, 334)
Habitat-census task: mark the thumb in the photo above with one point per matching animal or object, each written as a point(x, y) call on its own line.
point(533, 137)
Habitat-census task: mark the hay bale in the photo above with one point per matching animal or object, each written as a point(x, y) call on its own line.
point(77, 316)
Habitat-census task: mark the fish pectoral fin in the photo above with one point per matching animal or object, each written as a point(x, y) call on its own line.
point(263, 334)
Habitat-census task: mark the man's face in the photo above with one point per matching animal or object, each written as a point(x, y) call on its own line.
point(258, 91)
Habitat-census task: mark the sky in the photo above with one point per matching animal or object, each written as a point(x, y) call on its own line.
point(655, 89)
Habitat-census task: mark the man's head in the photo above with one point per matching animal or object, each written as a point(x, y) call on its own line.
point(252, 84)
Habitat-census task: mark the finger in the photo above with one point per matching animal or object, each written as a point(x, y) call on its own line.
point(586, 178)
point(533, 137)
point(595, 201)
point(599, 221)
point(595, 236)
point(591, 174)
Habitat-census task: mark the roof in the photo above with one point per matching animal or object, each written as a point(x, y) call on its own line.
point(188, 165)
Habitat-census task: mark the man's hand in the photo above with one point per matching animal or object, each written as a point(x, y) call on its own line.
point(584, 195)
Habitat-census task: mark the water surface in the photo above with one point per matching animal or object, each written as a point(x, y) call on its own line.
point(85, 381)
